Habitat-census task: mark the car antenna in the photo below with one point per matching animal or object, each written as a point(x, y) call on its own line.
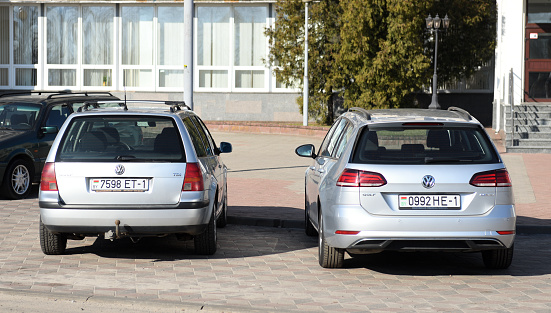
point(124, 86)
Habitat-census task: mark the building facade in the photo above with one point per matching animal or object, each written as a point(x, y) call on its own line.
point(136, 49)
point(523, 56)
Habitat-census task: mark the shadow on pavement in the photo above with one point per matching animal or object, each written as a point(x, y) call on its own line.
point(233, 242)
point(266, 169)
point(526, 220)
point(271, 216)
point(528, 260)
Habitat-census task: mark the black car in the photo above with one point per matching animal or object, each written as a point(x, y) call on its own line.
point(29, 122)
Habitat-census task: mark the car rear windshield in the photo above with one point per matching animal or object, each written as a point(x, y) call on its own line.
point(424, 145)
point(121, 138)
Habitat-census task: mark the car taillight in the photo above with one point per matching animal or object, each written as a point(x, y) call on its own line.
point(193, 180)
point(358, 178)
point(48, 181)
point(495, 178)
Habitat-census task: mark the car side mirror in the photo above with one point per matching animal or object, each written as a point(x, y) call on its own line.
point(49, 130)
point(225, 147)
point(307, 151)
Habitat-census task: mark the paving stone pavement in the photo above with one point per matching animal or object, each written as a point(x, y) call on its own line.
point(266, 269)
point(269, 269)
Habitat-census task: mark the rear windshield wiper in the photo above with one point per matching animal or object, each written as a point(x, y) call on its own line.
point(133, 159)
point(445, 160)
point(125, 157)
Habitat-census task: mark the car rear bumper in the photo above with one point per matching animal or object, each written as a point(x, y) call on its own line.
point(418, 233)
point(131, 221)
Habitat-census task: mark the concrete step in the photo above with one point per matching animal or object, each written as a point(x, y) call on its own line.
point(531, 143)
point(534, 108)
point(510, 149)
point(520, 128)
point(529, 135)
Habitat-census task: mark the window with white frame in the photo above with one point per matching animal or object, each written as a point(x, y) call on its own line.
point(170, 46)
point(62, 45)
point(90, 46)
point(250, 47)
point(136, 46)
point(213, 47)
point(18, 54)
point(98, 46)
point(4, 45)
point(231, 48)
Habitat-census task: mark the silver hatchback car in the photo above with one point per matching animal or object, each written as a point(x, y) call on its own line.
point(408, 180)
point(133, 172)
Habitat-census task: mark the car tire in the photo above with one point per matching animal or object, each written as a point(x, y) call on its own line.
point(18, 179)
point(308, 226)
point(50, 243)
point(498, 259)
point(223, 218)
point(205, 243)
point(329, 257)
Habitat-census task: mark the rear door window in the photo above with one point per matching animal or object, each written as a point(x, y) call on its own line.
point(196, 139)
point(121, 138)
point(332, 138)
point(424, 145)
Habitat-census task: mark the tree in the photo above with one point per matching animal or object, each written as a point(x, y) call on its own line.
point(471, 40)
point(382, 56)
point(287, 51)
point(378, 53)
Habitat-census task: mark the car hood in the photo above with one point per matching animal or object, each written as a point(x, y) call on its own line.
point(7, 134)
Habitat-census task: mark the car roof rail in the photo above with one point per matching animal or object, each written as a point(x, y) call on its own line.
point(174, 105)
point(85, 93)
point(362, 111)
point(177, 105)
point(30, 92)
point(87, 104)
point(466, 115)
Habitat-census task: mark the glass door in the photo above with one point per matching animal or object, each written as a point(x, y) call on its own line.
point(538, 52)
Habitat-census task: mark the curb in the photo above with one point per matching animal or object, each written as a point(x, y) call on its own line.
point(522, 229)
point(267, 128)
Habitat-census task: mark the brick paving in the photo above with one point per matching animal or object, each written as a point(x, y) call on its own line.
point(266, 269)
point(269, 269)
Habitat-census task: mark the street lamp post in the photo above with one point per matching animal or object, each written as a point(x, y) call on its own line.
point(305, 88)
point(433, 24)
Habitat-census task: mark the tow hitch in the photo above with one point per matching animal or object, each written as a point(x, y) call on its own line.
point(117, 234)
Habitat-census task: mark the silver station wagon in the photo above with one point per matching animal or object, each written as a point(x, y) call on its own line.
point(408, 180)
point(133, 171)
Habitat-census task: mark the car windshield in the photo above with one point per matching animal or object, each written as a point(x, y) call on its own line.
point(424, 145)
point(121, 139)
point(18, 116)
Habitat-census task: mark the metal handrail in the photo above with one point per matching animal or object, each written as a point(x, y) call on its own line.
point(511, 107)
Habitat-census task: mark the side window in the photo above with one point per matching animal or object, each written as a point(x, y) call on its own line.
point(325, 143)
point(57, 115)
point(195, 138)
point(344, 140)
point(334, 139)
point(209, 145)
point(207, 132)
point(76, 105)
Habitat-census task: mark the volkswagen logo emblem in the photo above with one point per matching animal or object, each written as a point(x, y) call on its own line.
point(119, 170)
point(428, 181)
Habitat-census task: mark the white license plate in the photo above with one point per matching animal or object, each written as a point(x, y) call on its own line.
point(119, 184)
point(430, 202)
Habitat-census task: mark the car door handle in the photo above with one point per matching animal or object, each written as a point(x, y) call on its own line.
point(312, 168)
point(321, 170)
